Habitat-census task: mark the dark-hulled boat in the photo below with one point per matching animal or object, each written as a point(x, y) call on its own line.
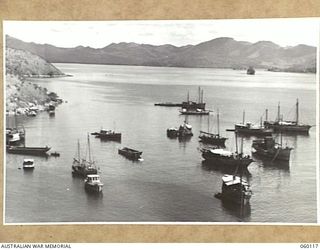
point(83, 167)
point(168, 104)
point(172, 132)
point(130, 153)
point(251, 129)
point(269, 149)
point(107, 135)
point(247, 128)
point(52, 109)
point(235, 190)
point(210, 138)
point(92, 183)
point(251, 71)
point(28, 150)
point(226, 158)
point(288, 126)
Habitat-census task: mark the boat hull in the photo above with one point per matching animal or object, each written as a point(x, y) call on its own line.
point(95, 188)
point(130, 153)
point(168, 104)
point(288, 128)
point(236, 198)
point(250, 131)
point(226, 162)
point(282, 154)
point(111, 137)
point(213, 140)
point(28, 150)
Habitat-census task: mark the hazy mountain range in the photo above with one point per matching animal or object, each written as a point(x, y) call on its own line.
point(221, 52)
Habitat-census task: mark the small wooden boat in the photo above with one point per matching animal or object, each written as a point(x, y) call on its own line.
point(92, 183)
point(55, 154)
point(130, 153)
point(51, 109)
point(28, 164)
point(172, 132)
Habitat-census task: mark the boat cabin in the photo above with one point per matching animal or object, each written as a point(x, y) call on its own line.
point(93, 178)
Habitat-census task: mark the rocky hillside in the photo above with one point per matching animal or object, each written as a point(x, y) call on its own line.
point(24, 63)
point(21, 94)
point(221, 52)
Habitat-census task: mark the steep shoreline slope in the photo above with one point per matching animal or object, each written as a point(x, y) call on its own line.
point(21, 94)
point(24, 63)
point(223, 52)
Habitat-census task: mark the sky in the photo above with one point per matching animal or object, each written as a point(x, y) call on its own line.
point(98, 34)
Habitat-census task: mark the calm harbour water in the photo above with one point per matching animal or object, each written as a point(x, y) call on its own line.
point(171, 184)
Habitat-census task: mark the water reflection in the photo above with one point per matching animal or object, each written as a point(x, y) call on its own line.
point(269, 164)
point(27, 171)
point(209, 166)
point(241, 211)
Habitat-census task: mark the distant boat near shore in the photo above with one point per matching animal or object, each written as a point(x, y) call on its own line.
point(251, 71)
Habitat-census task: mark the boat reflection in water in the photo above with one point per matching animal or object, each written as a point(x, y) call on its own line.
point(272, 165)
point(242, 212)
point(208, 166)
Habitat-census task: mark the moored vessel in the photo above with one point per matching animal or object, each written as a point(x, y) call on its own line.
point(108, 135)
point(211, 138)
point(130, 153)
point(92, 183)
point(226, 159)
point(287, 126)
point(247, 128)
point(28, 164)
point(268, 148)
point(28, 150)
point(235, 190)
point(83, 167)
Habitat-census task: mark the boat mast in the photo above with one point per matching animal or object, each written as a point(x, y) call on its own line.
point(278, 118)
point(188, 97)
point(202, 96)
point(297, 111)
point(266, 114)
point(236, 135)
point(78, 150)
point(209, 123)
point(218, 122)
point(89, 151)
point(243, 116)
point(199, 94)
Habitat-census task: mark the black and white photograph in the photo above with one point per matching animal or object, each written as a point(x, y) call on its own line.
point(167, 121)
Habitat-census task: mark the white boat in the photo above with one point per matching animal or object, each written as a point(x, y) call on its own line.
point(28, 164)
point(93, 183)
